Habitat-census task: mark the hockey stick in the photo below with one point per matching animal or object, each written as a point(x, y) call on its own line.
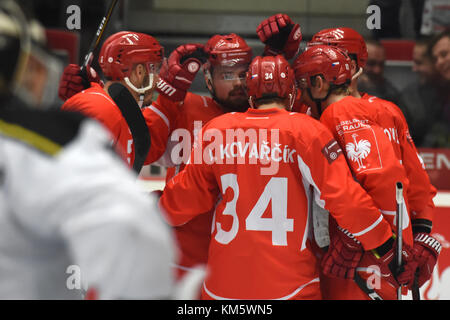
point(399, 217)
point(415, 287)
point(98, 36)
point(399, 221)
point(135, 120)
point(365, 288)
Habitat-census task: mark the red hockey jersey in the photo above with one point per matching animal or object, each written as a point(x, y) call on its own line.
point(194, 112)
point(360, 128)
point(420, 192)
point(96, 103)
point(254, 169)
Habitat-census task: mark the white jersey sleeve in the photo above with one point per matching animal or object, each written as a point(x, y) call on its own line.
point(87, 204)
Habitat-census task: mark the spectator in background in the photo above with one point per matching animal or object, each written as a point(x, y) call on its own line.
point(421, 97)
point(372, 81)
point(439, 132)
point(440, 51)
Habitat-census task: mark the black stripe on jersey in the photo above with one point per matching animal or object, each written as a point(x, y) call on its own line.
point(45, 130)
point(421, 225)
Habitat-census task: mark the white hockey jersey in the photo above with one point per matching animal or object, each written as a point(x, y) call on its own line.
point(72, 216)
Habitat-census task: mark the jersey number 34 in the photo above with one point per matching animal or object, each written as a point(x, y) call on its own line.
point(275, 193)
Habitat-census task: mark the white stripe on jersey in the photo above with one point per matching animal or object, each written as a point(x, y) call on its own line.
point(373, 225)
point(306, 173)
point(287, 297)
point(103, 95)
point(162, 115)
point(405, 215)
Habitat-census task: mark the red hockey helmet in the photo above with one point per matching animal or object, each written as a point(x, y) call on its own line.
point(228, 50)
point(124, 49)
point(330, 62)
point(108, 41)
point(344, 38)
point(270, 77)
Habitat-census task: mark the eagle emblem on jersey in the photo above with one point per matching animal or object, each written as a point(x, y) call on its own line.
point(358, 150)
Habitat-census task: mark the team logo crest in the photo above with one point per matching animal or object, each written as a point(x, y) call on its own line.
point(193, 67)
point(358, 150)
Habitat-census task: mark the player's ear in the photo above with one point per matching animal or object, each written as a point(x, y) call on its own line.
point(317, 82)
point(137, 75)
point(354, 67)
point(208, 79)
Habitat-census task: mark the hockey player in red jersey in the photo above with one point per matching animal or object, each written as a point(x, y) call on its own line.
point(420, 192)
point(228, 59)
point(324, 72)
point(225, 68)
point(255, 170)
point(132, 59)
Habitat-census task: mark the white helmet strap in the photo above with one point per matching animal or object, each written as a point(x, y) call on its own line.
point(357, 74)
point(143, 89)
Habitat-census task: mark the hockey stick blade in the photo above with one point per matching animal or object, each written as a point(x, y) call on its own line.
point(365, 288)
point(415, 287)
point(135, 120)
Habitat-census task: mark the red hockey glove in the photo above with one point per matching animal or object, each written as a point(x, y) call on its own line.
point(382, 263)
point(73, 80)
point(280, 35)
point(343, 255)
point(178, 72)
point(426, 252)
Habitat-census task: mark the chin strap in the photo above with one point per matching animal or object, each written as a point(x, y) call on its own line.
point(318, 101)
point(357, 74)
point(141, 91)
point(250, 102)
point(292, 97)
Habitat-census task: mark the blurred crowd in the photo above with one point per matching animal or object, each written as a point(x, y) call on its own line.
point(426, 100)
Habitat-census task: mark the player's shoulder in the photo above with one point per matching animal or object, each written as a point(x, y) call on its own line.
point(224, 120)
point(201, 100)
point(384, 104)
point(200, 106)
point(346, 106)
point(306, 125)
point(295, 118)
point(96, 103)
point(95, 97)
point(45, 130)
